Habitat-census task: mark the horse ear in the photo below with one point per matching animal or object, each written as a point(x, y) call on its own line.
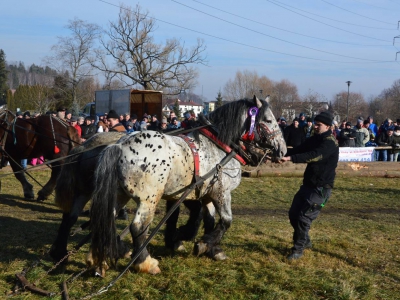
point(267, 99)
point(257, 102)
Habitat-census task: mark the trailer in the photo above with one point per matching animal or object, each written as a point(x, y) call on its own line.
point(124, 101)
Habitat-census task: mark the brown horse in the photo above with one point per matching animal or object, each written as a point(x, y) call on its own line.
point(45, 136)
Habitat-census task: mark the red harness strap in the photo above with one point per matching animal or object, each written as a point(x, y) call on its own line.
point(220, 144)
point(196, 157)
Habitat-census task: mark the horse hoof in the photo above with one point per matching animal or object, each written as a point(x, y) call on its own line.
point(220, 256)
point(156, 270)
point(200, 248)
point(179, 247)
point(40, 198)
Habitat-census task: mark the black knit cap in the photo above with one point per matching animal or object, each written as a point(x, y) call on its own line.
point(325, 118)
point(112, 115)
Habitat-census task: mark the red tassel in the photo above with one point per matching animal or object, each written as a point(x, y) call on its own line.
point(247, 137)
point(56, 149)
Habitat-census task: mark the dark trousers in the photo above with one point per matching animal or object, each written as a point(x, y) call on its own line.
point(305, 208)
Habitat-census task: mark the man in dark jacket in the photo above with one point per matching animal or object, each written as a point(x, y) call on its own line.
point(294, 135)
point(88, 129)
point(347, 136)
point(321, 153)
point(385, 139)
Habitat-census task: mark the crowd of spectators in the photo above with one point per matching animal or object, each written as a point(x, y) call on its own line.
point(365, 133)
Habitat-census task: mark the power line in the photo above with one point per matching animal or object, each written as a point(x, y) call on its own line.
point(270, 36)
point(352, 12)
point(327, 18)
point(252, 46)
point(372, 5)
point(274, 2)
point(313, 37)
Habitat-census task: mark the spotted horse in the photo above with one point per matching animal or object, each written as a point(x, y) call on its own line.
point(150, 166)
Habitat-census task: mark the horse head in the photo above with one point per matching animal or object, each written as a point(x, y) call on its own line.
point(268, 135)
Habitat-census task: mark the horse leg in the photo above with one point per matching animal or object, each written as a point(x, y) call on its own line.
point(26, 186)
point(50, 185)
point(170, 229)
point(210, 243)
point(139, 228)
point(174, 237)
point(59, 248)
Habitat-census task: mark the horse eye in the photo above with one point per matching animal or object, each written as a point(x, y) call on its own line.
point(268, 121)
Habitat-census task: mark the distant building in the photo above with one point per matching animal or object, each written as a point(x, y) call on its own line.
point(184, 106)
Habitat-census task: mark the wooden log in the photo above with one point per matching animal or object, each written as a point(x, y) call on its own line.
point(31, 287)
point(362, 169)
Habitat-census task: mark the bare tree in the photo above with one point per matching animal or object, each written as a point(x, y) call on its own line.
point(138, 59)
point(358, 107)
point(71, 57)
point(284, 99)
point(246, 84)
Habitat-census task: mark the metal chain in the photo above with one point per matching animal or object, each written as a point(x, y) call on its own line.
point(55, 266)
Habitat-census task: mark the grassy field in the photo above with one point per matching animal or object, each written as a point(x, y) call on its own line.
point(355, 255)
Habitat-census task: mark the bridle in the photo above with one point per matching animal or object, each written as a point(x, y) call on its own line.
point(258, 135)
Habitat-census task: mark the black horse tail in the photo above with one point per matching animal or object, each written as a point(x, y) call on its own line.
point(66, 180)
point(104, 205)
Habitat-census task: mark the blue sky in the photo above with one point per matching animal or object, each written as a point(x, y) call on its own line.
point(316, 44)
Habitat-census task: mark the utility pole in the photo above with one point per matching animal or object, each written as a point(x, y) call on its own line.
point(348, 93)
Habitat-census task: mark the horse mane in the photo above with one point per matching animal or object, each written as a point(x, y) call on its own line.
point(225, 119)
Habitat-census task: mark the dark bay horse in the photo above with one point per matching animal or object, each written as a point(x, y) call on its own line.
point(45, 136)
point(150, 166)
point(75, 186)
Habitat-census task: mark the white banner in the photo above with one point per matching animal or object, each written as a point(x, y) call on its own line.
point(356, 154)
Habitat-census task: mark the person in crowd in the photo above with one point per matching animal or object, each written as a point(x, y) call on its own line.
point(342, 125)
point(145, 122)
point(24, 162)
point(174, 124)
point(68, 115)
point(171, 116)
point(127, 118)
point(309, 128)
point(114, 123)
point(61, 113)
point(135, 123)
point(385, 139)
point(164, 125)
point(362, 134)
point(321, 153)
point(19, 114)
point(347, 136)
point(74, 123)
point(372, 126)
point(27, 115)
point(302, 120)
point(129, 127)
point(396, 143)
point(385, 126)
point(121, 118)
point(294, 135)
point(336, 130)
point(282, 124)
point(81, 120)
point(154, 124)
point(188, 121)
point(88, 129)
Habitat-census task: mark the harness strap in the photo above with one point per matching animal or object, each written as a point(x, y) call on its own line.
point(220, 144)
point(196, 157)
point(56, 149)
